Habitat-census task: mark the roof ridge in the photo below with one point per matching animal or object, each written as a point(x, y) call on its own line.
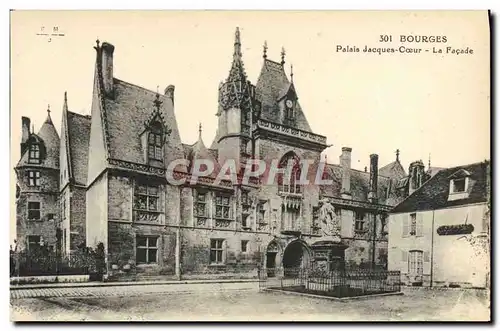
point(363, 172)
point(81, 115)
point(138, 86)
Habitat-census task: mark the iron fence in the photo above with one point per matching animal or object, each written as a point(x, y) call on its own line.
point(46, 263)
point(336, 283)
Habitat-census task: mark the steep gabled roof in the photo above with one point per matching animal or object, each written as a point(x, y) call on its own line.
point(271, 86)
point(433, 194)
point(79, 136)
point(360, 186)
point(126, 115)
point(393, 170)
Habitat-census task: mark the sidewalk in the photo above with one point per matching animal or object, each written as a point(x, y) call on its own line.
point(130, 283)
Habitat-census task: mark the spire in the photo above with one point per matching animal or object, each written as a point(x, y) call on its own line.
point(264, 48)
point(429, 160)
point(397, 154)
point(199, 132)
point(48, 120)
point(65, 104)
point(237, 44)
point(283, 55)
point(291, 72)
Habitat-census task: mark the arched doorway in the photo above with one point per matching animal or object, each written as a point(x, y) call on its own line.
point(271, 258)
point(295, 257)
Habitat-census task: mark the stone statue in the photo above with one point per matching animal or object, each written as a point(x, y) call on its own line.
point(330, 225)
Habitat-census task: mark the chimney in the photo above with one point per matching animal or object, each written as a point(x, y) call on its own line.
point(372, 195)
point(169, 92)
point(25, 130)
point(416, 173)
point(345, 164)
point(107, 68)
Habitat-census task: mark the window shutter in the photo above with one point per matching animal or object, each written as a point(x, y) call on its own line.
point(404, 256)
point(427, 257)
point(404, 261)
point(420, 226)
point(406, 227)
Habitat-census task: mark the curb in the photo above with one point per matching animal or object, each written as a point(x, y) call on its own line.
point(111, 284)
point(316, 296)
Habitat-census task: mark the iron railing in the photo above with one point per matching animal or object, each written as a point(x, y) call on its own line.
point(336, 283)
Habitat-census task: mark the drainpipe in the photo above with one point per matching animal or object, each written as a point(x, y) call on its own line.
point(178, 241)
point(374, 241)
point(432, 248)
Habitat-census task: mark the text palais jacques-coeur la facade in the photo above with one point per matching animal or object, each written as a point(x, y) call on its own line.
point(104, 181)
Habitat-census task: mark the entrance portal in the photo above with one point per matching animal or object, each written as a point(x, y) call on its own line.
point(271, 254)
point(295, 257)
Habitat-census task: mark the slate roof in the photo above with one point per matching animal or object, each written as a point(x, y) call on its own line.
point(126, 116)
point(79, 136)
point(393, 170)
point(271, 86)
point(433, 194)
point(360, 186)
point(49, 137)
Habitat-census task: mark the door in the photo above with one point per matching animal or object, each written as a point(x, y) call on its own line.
point(271, 264)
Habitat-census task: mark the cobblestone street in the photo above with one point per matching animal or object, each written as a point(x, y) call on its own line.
point(237, 302)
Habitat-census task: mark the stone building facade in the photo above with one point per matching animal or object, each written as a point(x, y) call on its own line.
point(111, 183)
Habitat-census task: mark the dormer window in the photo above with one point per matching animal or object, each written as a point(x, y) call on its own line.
point(459, 185)
point(34, 153)
point(155, 142)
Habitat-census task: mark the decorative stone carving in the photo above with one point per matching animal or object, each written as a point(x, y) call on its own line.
point(329, 222)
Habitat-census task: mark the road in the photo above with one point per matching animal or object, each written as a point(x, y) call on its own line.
point(238, 302)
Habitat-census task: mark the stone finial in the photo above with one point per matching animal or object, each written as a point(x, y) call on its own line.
point(397, 154)
point(283, 53)
point(264, 48)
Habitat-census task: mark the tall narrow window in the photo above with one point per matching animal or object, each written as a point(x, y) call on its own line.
point(201, 205)
point(147, 250)
point(146, 203)
point(216, 251)
point(413, 224)
point(33, 178)
point(155, 143)
point(416, 262)
point(34, 153)
point(359, 223)
point(223, 207)
point(289, 181)
point(34, 210)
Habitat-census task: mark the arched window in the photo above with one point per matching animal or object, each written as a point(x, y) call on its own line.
point(34, 153)
point(155, 142)
point(289, 181)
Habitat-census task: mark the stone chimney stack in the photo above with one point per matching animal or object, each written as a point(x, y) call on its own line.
point(372, 195)
point(25, 131)
point(107, 68)
point(345, 164)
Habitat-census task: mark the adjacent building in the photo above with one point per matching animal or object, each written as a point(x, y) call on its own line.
point(109, 183)
point(439, 235)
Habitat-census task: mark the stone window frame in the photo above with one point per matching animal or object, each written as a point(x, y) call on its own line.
point(29, 210)
point(289, 181)
point(217, 251)
point(30, 244)
point(147, 248)
point(34, 153)
point(155, 145)
point(229, 206)
point(205, 203)
point(151, 215)
point(359, 221)
point(34, 178)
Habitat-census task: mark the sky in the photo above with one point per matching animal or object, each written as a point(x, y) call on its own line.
point(422, 104)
